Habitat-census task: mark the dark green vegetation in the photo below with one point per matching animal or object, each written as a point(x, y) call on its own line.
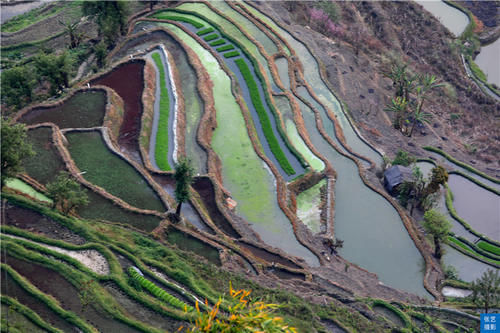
point(157, 291)
point(167, 16)
point(231, 54)
point(82, 110)
point(183, 176)
point(263, 117)
point(439, 227)
point(14, 149)
point(486, 290)
point(401, 315)
point(211, 37)
point(225, 48)
point(403, 158)
point(66, 193)
point(17, 86)
point(161, 147)
point(55, 69)
point(205, 31)
point(110, 16)
point(217, 42)
point(105, 169)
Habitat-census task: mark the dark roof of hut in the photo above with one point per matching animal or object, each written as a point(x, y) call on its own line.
point(396, 175)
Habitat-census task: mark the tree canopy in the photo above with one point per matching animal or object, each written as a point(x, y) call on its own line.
point(17, 86)
point(66, 193)
point(486, 290)
point(14, 149)
point(438, 226)
point(183, 179)
point(111, 17)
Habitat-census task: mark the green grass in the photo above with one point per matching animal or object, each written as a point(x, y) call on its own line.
point(205, 31)
point(476, 70)
point(217, 42)
point(225, 48)
point(452, 240)
point(166, 16)
point(161, 147)
point(211, 37)
point(488, 247)
point(263, 117)
point(12, 304)
point(33, 16)
point(158, 292)
point(231, 54)
point(315, 162)
point(308, 200)
point(107, 170)
point(463, 165)
point(397, 311)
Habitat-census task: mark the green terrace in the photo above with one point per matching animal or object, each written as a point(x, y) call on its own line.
point(272, 136)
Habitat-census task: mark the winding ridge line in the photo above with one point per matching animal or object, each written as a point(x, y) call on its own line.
point(462, 164)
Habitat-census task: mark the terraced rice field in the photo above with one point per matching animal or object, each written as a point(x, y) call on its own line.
point(103, 168)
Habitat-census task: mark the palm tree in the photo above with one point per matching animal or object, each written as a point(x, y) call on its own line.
point(419, 117)
point(401, 79)
point(74, 36)
point(399, 106)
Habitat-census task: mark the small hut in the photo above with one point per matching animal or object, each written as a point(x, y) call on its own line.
point(396, 175)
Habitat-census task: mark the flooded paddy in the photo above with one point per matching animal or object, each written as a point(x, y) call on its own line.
point(107, 170)
point(476, 205)
point(188, 243)
point(46, 163)
point(487, 60)
point(127, 80)
point(244, 174)
point(82, 110)
point(453, 19)
point(308, 206)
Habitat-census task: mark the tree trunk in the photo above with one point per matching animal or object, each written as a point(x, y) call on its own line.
point(412, 128)
point(178, 210)
point(437, 245)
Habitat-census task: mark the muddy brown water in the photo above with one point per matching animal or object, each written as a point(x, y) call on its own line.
point(127, 80)
point(268, 256)
point(32, 221)
point(53, 283)
point(206, 190)
point(10, 288)
point(84, 109)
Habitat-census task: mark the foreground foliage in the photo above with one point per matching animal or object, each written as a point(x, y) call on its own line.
point(246, 315)
point(14, 149)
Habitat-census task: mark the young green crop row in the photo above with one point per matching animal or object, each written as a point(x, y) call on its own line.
point(217, 42)
point(161, 147)
point(205, 31)
point(158, 292)
point(263, 117)
point(231, 54)
point(211, 37)
point(225, 48)
point(396, 311)
point(472, 250)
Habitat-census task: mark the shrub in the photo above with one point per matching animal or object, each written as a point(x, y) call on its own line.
point(231, 54)
point(403, 158)
point(217, 42)
point(225, 48)
point(161, 148)
point(205, 31)
point(211, 37)
point(263, 117)
point(158, 292)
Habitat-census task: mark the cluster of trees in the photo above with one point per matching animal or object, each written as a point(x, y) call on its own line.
point(411, 93)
